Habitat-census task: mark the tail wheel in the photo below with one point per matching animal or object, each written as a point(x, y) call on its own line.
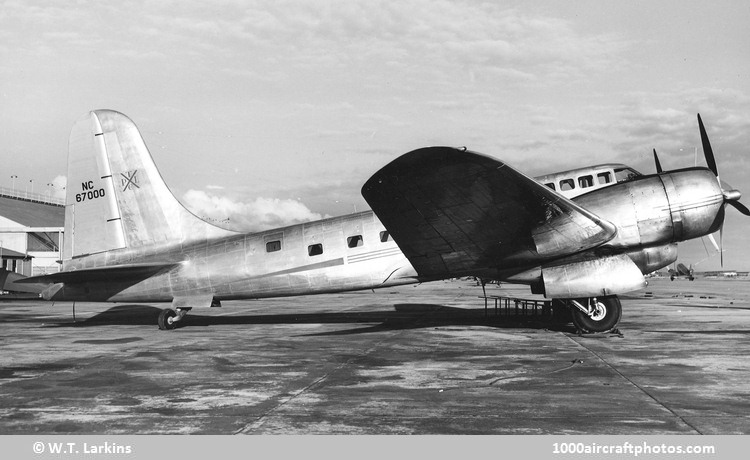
point(603, 315)
point(166, 319)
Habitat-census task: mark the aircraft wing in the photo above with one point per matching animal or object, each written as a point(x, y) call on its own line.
point(455, 212)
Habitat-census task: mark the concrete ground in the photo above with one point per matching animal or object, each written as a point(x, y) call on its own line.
point(410, 360)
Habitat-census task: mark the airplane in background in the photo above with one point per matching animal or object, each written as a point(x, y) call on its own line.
point(437, 213)
point(680, 271)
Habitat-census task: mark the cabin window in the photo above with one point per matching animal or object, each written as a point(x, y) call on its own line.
point(274, 241)
point(604, 177)
point(354, 241)
point(315, 250)
point(567, 184)
point(273, 246)
point(550, 185)
point(384, 236)
point(586, 181)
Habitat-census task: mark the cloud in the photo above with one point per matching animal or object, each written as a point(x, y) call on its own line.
point(58, 186)
point(420, 39)
point(667, 121)
point(256, 215)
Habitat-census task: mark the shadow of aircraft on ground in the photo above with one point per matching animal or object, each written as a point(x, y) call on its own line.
point(402, 316)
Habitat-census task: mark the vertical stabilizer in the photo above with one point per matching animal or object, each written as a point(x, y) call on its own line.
point(116, 197)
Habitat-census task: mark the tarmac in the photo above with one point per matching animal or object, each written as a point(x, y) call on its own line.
point(421, 359)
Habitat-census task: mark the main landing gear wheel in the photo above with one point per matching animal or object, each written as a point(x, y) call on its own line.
point(596, 314)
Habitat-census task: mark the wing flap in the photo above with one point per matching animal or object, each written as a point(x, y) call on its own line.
point(455, 212)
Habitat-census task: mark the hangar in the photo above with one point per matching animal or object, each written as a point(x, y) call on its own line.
point(31, 227)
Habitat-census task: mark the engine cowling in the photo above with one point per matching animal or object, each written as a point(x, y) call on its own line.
point(659, 209)
point(695, 203)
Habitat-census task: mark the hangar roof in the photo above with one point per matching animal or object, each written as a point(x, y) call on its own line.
point(6, 253)
point(32, 214)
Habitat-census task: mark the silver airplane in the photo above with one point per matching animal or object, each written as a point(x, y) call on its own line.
point(437, 213)
point(680, 271)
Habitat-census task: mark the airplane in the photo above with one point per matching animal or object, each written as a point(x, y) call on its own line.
point(437, 213)
point(681, 270)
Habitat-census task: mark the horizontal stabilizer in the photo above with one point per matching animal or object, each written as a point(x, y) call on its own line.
point(113, 272)
point(454, 212)
point(14, 282)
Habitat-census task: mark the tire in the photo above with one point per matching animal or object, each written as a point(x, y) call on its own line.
point(165, 317)
point(607, 318)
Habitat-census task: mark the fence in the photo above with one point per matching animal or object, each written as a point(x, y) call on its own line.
point(44, 198)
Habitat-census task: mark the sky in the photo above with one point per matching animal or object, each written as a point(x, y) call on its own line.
point(267, 113)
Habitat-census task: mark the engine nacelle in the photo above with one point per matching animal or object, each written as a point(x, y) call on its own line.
point(659, 209)
point(651, 259)
point(590, 278)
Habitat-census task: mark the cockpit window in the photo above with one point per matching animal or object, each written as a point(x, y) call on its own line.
point(625, 174)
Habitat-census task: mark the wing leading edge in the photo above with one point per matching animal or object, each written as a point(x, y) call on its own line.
point(455, 212)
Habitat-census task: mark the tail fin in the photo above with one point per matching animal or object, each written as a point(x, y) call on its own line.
point(116, 197)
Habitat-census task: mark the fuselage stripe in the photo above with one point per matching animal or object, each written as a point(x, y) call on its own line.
point(374, 255)
point(303, 268)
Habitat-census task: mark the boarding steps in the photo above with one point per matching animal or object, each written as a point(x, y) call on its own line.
point(518, 309)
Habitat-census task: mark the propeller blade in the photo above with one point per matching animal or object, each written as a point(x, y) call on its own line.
point(739, 206)
point(721, 243)
point(713, 241)
point(707, 150)
point(658, 165)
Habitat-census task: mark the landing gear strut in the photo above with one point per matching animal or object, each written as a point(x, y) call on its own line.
point(596, 314)
point(168, 318)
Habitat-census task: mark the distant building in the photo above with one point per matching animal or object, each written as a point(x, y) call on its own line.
point(726, 274)
point(30, 233)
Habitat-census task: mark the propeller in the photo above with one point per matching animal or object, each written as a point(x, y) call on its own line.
point(731, 195)
point(707, 150)
point(658, 165)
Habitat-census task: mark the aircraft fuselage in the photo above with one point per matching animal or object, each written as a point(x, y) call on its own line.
point(338, 254)
point(354, 252)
